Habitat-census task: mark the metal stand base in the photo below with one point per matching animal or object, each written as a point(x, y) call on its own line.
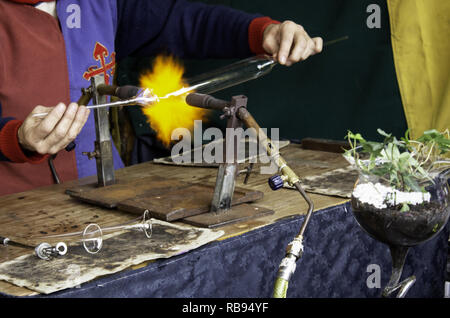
point(237, 213)
point(168, 199)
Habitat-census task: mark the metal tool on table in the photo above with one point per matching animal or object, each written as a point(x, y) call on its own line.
point(237, 115)
point(92, 235)
point(98, 91)
point(44, 250)
point(224, 190)
point(222, 198)
point(222, 211)
point(144, 98)
point(225, 184)
point(131, 96)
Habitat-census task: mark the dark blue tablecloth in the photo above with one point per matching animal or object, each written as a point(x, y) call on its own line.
point(335, 264)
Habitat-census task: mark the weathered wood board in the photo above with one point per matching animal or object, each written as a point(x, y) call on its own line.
point(164, 198)
point(338, 182)
point(183, 202)
point(118, 252)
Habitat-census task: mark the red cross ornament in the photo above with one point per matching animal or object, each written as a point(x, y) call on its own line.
point(100, 54)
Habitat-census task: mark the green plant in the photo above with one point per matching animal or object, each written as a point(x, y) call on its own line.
point(404, 164)
point(430, 149)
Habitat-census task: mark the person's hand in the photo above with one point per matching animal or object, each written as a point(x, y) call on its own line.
point(288, 43)
point(54, 132)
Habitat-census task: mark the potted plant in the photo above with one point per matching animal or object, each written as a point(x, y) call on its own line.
point(401, 197)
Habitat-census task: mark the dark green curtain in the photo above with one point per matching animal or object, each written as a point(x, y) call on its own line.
point(350, 85)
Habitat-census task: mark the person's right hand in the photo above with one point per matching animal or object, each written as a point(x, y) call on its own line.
point(288, 43)
point(54, 132)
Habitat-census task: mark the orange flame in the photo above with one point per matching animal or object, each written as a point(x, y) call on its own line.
point(171, 112)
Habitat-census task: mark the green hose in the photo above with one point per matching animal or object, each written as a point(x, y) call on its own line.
point(280, 288)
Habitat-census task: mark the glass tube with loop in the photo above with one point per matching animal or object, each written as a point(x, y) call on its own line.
point(92, 236)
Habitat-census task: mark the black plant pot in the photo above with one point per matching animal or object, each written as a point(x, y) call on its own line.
point(401, 230)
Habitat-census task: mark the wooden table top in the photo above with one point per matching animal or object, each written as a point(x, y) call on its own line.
point(48, 210)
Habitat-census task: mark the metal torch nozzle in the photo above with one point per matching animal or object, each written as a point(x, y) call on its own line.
point(142, 97)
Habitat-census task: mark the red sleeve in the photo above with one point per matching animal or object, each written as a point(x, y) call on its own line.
point(10, 147)
point(256, 32)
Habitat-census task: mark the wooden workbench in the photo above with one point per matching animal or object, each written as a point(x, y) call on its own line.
point(48, 210)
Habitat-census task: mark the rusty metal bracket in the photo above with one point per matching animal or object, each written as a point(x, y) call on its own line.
point(226, 175)
point(103, 144)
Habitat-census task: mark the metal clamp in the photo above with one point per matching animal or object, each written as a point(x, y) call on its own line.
point(46, 252)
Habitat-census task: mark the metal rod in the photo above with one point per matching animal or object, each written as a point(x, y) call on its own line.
point(227, 172)
point(44, 250)
point(53, 169)
point(292, 178)
point(206, 101)
point(310, 208)
point(110, 90)
point(103, 144)
point(143, 101)
point(295, 247)
point(130, 225)
point(6, 241)
point(343, 38)
point(85, 97)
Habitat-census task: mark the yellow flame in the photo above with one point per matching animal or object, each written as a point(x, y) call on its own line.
point(171, 112)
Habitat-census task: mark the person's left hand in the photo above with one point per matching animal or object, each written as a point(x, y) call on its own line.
point(288, 43)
